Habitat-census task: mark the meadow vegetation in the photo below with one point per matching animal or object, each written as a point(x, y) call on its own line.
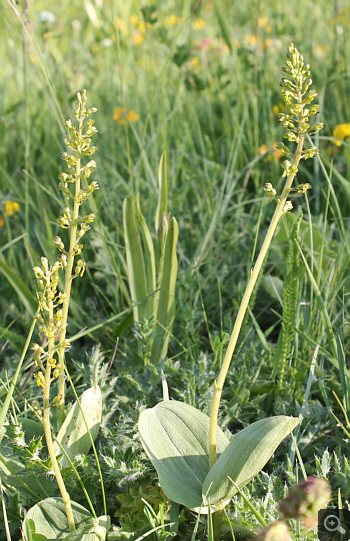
point(188, 98)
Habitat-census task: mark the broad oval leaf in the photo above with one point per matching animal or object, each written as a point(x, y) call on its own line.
point(246, 454)
point(73, 435)
point(176, 438)
point(95, 531)
point(50, 520)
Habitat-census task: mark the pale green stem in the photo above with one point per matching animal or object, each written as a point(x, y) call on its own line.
point(68, 278)
point(219, 382)
point(47, 428)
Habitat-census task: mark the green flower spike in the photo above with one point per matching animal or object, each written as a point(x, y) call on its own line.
point(53, 305)
point(297, 97)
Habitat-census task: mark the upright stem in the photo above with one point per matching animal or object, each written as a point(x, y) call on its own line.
point(68, 278)
point(53, 306)
point(219, 382)
point(47, 426)
point(26, 114)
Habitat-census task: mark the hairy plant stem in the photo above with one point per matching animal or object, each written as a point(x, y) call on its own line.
point(69, 279)
point(47, 425)
point(219, 382)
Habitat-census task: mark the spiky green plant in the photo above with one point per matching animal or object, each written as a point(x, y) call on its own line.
point(290, 299)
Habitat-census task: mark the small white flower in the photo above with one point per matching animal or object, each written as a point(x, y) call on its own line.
point(107, 42)
point(47, 17)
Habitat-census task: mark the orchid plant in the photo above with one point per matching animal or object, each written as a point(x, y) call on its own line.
point(197, 465)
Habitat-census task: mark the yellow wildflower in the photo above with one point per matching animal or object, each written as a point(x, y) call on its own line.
point(49, 36)
point(132, 116)
point(11, 207)
point(120, 25)
point(252, 40)
point(268, 29)
point(321, 51)
point(262, 21)
point(277, 154)
point(194, 62)
point(342, 131)
point(276, 110)
point(137, 38)
point(134, 19)
point(269, 42)
point(34, 58)
point(120, 116)
point(198, 24)
point(171, 21)
point(141, 27)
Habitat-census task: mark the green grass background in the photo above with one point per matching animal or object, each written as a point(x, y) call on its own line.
point(211, 116)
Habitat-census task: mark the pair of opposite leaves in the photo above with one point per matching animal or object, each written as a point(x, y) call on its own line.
point(175, 436)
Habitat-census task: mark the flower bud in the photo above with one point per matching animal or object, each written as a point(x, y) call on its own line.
point(305, 500)
point(288, 206)
point(277, 531)
point(59, 244)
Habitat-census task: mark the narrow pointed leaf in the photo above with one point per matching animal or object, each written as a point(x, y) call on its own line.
point(163, 192)
point(344, 375)
point(166, 304)
point(224, 26)
point(322, 308)
point(5, 407)
point(73, 435)
point(28, 300)
point(245, 456)
point(149, 258)
point(176, 438)
point(135, 261)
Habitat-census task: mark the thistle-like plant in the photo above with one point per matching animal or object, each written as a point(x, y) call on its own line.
point(52, 314)
point(196, 463)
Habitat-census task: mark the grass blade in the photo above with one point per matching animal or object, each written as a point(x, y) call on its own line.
point(7, 401)
point(135, 261)
point(21, 289)
point(344, 375)
point(166, 306)
point(322, 307)
point(163, 192)
point(150, 263)
point(222, 19)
